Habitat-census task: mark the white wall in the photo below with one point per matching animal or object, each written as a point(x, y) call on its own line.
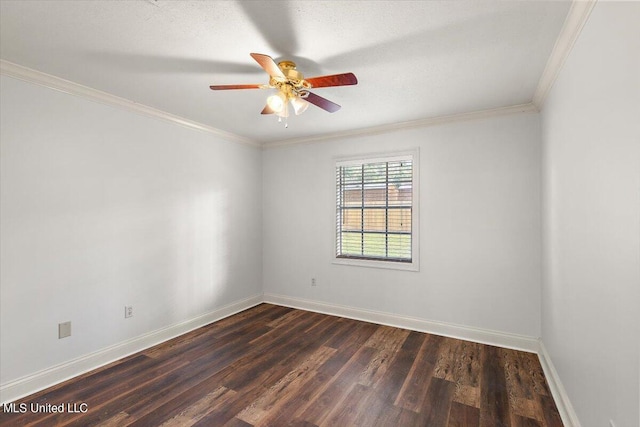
point(591, 292)
point(480, 225)
point(102, 208)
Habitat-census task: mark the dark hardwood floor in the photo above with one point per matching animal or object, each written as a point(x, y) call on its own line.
point(276, 366)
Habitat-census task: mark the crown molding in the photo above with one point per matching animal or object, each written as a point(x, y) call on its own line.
point(577, 16)
point(430, 121)
point(56, 83)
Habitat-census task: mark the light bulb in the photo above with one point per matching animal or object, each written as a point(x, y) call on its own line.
point(284, 111)
point(277, 102)
point(299, 105)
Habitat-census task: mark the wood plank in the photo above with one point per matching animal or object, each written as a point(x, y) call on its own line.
point(527, 408)
point(517, 373)
point(261, 411)
point(258, 315)
point(467, 395)
point(347, 410)
point(317, 384)
point(533, 366)
point(387, 341)
point(414, 390)
point(462, 415)
point(388, 388)
point(435, 412)
point(287, 319)
point(379, 398)
point(351, 338)
point(387, 338)
point(519, 421)
point(225, 415)
point(343, 338)
point(550, 411)
point(198, 410)
point(336, 388)
point(494, 398)
point(235, 422)
point(117, 420)
point(395, 416)
point(444, 366)
point(466, 370)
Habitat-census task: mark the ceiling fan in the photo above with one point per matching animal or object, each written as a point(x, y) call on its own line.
point(292, 87)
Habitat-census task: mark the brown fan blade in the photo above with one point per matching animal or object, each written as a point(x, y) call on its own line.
point(345, 79)
point(267, 110)
point(323, 103)
point(268, 64)
point(226, 87)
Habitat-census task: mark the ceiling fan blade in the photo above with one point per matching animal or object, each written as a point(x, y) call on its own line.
point(267, 110)
point(268, 64)
point(227, 87)
point(344, 79)
point(323, 103)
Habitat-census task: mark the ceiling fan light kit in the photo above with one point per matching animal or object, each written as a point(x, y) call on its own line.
point(292, 88)
point(299, 105)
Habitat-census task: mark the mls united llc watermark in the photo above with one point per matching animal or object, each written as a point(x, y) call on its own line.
point(45, 408)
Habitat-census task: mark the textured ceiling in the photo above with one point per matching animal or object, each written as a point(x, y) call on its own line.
point(413, 59)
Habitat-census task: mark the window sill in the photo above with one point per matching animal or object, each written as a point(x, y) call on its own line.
point(387, 265)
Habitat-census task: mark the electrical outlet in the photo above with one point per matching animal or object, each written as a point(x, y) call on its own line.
point(313, 281)
point(128, 311)
point(64, 330)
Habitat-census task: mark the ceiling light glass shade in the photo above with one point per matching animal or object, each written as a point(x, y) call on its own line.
point(299, 105)
point(277, 102)
point(284, 111)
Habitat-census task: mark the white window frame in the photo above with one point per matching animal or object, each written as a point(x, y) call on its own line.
point(414, 265)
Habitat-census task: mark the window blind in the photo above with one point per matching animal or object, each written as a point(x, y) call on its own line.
point(374, 209)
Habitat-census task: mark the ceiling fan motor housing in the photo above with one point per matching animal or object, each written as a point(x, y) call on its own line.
point(293, 85)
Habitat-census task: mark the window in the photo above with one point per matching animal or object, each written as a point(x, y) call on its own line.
point(375, 211)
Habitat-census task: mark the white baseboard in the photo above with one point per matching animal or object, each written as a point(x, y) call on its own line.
point(27, 385)
point(568, 414)
point(483, 336)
